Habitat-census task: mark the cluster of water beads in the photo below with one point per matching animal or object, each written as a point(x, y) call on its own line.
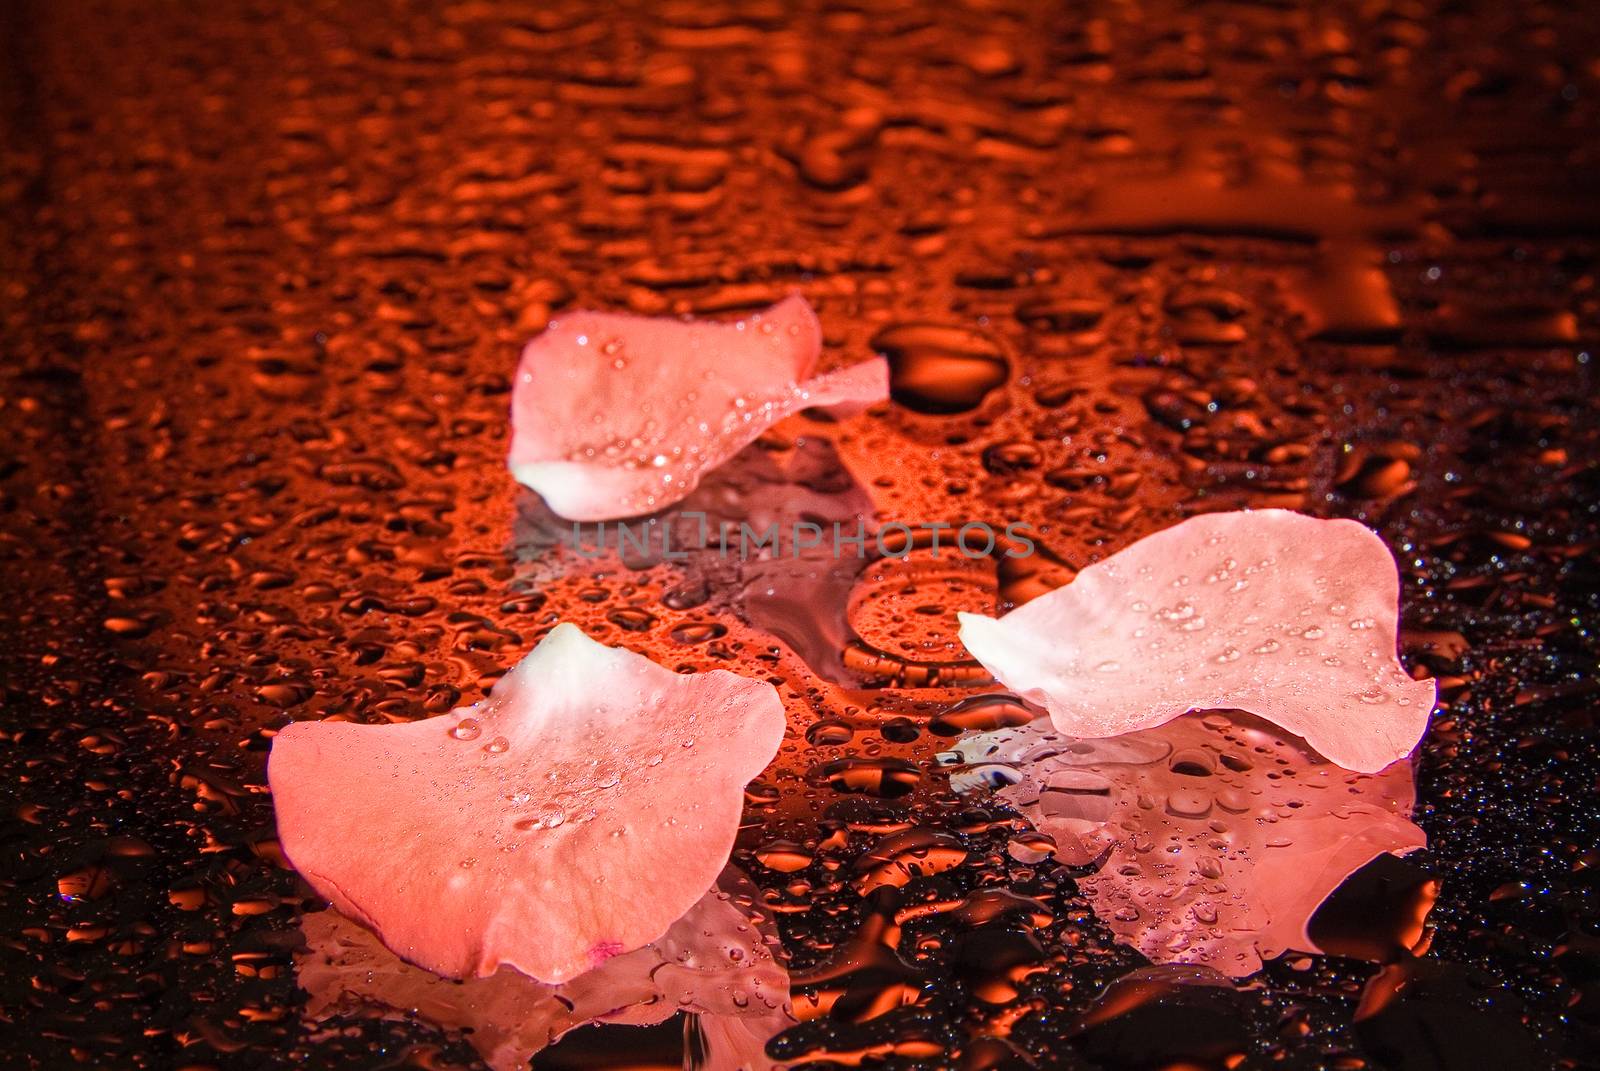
point(289, 485)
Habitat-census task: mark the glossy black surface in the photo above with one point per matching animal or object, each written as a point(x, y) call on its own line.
point(264, 273)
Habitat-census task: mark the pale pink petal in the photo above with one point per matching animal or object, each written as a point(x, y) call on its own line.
point(716, 962)
point(1214, 837)
point(574, 814)
point(1286, 616)
point(615, 415)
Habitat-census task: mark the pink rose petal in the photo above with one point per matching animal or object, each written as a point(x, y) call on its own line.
point(571, 816)
point(716, 962)
point(1286, 616)
point(615, 415)
point(1221, 835)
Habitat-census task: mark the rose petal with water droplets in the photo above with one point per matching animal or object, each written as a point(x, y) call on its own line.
point(615, 415)
point(597, 824)
point(1286, 616)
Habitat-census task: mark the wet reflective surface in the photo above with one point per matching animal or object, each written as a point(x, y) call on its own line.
point(265, 281)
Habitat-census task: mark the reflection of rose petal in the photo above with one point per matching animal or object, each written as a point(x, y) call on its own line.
point(799, 595)
point(716, 961)
point(615, 415)
point(1288, 617)
point(573, 815)
point(739, 1042)
point(1222, 835)
point(721, 538)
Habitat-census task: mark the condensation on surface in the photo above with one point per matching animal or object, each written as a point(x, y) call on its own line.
point(265, 280)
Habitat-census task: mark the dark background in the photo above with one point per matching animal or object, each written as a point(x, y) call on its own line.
point(264, 272)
